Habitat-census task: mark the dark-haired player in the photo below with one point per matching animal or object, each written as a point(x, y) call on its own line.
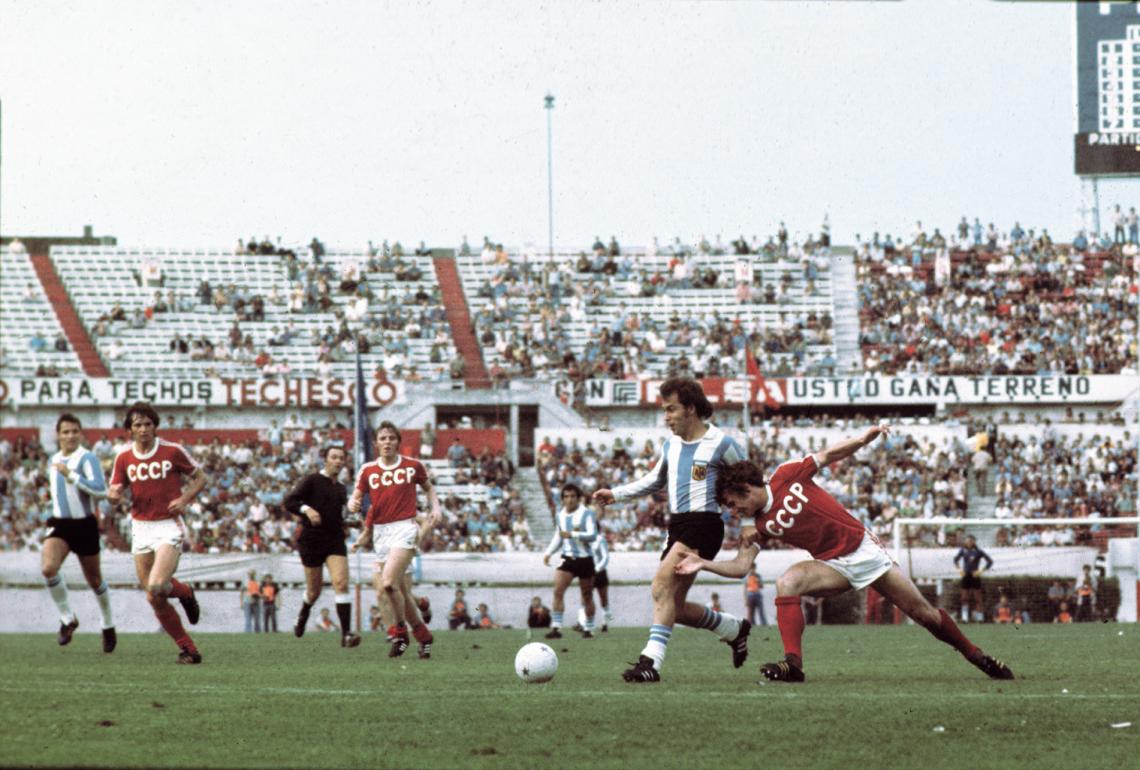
point(76, 484)
point(792, 508)
point(155, 471)
point(318, 500)
point(576, 528)
point(390, 482)
point(691, 460)
point(971, 586)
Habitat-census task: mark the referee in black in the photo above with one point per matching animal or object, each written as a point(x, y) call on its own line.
point(318, 500)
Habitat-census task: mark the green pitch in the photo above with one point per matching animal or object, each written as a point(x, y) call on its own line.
point(876, 697)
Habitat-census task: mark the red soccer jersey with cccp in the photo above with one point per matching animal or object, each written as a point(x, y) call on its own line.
point(155, 478)
point(391, 489)
point(801, 513)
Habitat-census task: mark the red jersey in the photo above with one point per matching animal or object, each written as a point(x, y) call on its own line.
point(155, 478)
point(801, 513)
point(391, 489)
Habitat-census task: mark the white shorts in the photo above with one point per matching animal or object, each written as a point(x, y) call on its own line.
point(866, 564)
point(398, 534)
point(147, 536)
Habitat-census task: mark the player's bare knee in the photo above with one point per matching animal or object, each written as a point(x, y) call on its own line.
point(789, 585)
point(49, 571)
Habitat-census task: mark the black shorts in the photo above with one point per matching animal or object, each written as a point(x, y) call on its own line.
point(703, 532)
point(601, 579)
point(579, 568)
point(971, 583)
point(81, 535)
point(314, 550)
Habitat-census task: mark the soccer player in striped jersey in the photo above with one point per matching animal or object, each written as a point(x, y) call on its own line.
point(155, 471)
point(601, 553)
point(77, 484)
point(691, 461)
point(574, 535)
point(791, 508)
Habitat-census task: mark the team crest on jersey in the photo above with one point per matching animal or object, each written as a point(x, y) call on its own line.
point(700, 471)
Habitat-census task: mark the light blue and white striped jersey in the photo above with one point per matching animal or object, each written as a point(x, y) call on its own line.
point(690, 469)
point(601, 552)
point(72, 496)
point(582, 525)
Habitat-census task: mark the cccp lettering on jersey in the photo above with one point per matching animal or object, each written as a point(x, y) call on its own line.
point(388, 478)
point(785, 517)
point(148, 471)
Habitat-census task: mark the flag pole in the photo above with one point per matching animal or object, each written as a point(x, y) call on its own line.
point(361, 454)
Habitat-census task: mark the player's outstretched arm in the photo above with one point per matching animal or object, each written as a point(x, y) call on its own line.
point(737, 567)
point(603, 496)
point(849, 447)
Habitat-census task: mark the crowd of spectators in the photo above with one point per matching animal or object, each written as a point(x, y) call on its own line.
point(365, 318)
point(902, 476)
point(899, 477)
point(525, 302)
point(990, 302)
point(240, 508)
point(1062, 476)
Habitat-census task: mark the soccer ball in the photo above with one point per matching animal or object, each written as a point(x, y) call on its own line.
point(536, 663)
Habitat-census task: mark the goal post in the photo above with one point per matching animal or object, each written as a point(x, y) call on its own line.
point(1113, 548)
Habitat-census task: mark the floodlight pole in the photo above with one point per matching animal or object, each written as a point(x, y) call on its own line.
point(548, 103)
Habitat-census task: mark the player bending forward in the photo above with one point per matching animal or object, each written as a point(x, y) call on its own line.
point(790, 507)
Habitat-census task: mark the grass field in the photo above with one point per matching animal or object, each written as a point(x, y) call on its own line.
point(876, 697)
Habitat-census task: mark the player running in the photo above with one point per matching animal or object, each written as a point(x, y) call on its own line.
point(155, 471)
point(790, 507)
point(390, 481)
point(319, 499)
point(600, 551)
point(690, 463)
point(76, 484)
point(575, 533)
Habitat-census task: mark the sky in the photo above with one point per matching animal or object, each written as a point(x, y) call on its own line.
point(196, 123)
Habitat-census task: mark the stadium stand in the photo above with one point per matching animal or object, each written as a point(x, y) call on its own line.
point(29, 330)
point(239, 315)
point(1002, 303)
point(1011, 303)
point(642, 314)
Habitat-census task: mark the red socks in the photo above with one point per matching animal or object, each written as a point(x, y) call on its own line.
point(172, 625)
point(790, 619)
point(179, 590)
point(949, 632)
point(421, 633)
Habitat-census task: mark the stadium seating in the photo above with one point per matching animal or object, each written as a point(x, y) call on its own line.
point(1024, 309)
point(26, 314)
point(513, 312)
point(97, 277)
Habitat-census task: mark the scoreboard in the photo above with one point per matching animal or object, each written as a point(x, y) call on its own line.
point(1107, 141)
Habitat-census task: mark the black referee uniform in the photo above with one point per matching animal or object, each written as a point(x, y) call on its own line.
point(328, 497)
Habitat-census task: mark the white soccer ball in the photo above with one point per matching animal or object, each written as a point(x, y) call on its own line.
point(536, 663)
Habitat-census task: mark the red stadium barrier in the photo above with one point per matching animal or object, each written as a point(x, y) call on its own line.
point(14, 434)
